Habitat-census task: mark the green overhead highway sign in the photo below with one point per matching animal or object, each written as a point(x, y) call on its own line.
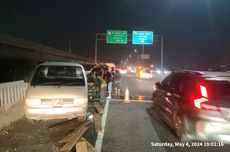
point(116, 36)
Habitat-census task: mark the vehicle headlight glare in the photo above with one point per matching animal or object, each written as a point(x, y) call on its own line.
point(33, 102)
point(159, 71)
point(78, 101)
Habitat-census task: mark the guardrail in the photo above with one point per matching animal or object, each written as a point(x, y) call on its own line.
point(11, 92)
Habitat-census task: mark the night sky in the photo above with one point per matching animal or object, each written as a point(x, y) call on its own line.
point(196, 32)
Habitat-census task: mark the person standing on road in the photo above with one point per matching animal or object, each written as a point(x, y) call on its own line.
point(117, 82)
point(108, 79)
point(102, 84)
point(113, 77)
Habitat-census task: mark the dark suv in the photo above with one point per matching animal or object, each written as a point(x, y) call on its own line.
point(196, 105)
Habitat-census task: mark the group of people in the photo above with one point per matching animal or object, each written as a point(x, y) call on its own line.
point(107, 80)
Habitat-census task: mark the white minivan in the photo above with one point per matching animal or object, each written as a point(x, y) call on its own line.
point(57, 90)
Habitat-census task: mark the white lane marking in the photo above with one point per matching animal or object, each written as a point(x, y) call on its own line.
point(100, 135)
point(141, 101)
point(138, 80)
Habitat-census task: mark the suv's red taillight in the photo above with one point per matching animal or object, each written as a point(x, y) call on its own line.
point(202, 102)
point(203, 91)
point(203, 98)
point(198, 102)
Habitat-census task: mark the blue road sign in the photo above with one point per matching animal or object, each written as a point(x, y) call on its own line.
point(142, 37)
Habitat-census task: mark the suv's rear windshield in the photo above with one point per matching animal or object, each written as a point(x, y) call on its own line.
point(58, 75)
point(218, 88)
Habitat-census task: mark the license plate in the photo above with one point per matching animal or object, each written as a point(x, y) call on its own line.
point(56, 111)
point(57, 102)
point(54, 102)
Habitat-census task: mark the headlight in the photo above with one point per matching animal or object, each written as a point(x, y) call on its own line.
point(159, 71)
point(33, 102)
point(79, 101)
point(165, 72)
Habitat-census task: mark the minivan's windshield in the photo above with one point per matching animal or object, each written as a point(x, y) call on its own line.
point(58, 75)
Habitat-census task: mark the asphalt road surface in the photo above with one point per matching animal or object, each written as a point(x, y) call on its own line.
point(135, 127)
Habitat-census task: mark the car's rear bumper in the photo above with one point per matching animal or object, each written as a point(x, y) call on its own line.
point(55, 113)
point(207, 130)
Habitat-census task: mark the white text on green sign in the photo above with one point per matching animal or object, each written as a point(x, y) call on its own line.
point(116, 37)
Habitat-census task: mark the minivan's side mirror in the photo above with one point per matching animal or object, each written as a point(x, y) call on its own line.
point(158, 85)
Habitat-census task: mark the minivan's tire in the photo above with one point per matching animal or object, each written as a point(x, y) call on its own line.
point(178, 126)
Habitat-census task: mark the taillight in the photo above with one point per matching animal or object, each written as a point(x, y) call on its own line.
point(203, 98)
point(202, 102)
point(198, 102)
point(203, 91)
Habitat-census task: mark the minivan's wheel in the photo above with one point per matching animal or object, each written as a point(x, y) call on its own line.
point(178, 126)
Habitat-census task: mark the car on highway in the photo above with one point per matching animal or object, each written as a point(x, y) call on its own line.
point(57, 90)
point(162, 72)
point(123, 70)
point(131, 69)
point(195, 104)
point(144, 73)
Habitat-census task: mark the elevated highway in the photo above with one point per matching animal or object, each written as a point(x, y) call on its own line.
point(19, 57)
point(19, 49)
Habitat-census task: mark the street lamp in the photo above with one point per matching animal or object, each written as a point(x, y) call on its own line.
point(138, 60)
point(70, 50)
point(162, 54)
point(96, 39)
point(143, 47)
point(96, 48)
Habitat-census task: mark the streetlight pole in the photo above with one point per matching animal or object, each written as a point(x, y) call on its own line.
point(136, 52)
point(143, 47)
point(100, 37)
point(162, 54)
point(96, 48)
point(70, 50)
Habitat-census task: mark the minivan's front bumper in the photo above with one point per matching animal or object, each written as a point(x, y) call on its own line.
point(55, 113)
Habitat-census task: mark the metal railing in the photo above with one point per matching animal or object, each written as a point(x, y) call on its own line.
point(11, 92)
